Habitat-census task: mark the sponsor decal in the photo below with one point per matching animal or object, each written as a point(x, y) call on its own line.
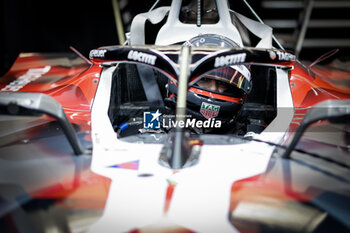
point(209, 110)
point(142, 57)
point(272, 55)
point(230, 60)
point(284, 56)
point(30, 76)
point(97, 53)
point(151, 120)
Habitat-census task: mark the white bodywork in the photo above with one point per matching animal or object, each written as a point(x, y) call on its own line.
point(201, 197)
point(174, 31)
point(182, 32)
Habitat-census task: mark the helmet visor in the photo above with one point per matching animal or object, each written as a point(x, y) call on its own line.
point(223, 79)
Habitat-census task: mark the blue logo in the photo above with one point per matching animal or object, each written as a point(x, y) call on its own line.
point(151, 120)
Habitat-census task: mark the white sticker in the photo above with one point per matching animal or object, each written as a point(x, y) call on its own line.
point(283, 56)
point(230, 59)
point(30, 76)
point(142, 57)
point(97, 53)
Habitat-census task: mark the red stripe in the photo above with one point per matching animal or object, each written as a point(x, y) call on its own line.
point(215, 96)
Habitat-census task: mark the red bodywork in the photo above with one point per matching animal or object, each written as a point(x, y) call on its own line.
point(72, 82)
point(310, 87)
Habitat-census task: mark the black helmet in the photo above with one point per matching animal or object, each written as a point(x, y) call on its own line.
point(220, 93)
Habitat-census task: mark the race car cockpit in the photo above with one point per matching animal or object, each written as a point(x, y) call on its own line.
point(247, 104)
point(231, 89)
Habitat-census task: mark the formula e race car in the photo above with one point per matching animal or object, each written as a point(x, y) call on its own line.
point(201, 131)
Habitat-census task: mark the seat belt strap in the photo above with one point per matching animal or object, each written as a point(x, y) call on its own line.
point(150, 85)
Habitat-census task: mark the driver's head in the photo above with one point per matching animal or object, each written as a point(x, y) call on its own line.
point(226, 80)
point(222, 91)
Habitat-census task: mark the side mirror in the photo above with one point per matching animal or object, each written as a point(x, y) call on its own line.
point(336, 111)
point(36, 104)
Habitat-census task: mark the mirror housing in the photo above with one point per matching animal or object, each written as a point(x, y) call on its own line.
point(336, 111)
point(36, 104)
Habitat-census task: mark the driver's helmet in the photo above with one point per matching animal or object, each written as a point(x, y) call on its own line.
point(220, 93)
